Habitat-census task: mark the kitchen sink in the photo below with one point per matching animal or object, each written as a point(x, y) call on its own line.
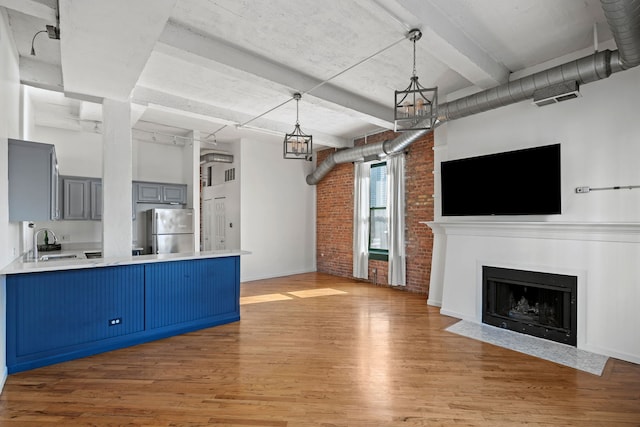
point(93, 254)
point(53, 257)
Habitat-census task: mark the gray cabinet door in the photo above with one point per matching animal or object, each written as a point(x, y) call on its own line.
point(174, 194)
point(152, 192)
point(149, 193)
point(31, 189)
point(96, 200)
point(76, 198)
point(55, 186)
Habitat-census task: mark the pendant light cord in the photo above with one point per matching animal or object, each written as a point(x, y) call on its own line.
point(414, 57)
point(322, 83)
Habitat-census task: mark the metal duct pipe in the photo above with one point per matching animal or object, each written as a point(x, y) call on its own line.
point(623, 17)
point(588, 69)
point(584, 70)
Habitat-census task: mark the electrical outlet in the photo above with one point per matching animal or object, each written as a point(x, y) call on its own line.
point(116, 321)
point(582, 189)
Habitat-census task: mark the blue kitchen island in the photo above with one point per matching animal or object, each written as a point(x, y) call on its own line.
point(63, 310)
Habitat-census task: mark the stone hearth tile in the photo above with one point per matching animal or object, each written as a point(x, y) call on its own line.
point(534, 346)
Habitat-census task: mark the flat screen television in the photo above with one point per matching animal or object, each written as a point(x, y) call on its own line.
point(521, 182)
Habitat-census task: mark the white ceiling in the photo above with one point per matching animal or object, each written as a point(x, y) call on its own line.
point(206, 64)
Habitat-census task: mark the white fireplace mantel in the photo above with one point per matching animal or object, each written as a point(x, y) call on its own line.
point(604, 256)
point(595, 231)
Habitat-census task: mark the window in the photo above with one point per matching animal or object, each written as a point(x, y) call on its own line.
point(378, 216)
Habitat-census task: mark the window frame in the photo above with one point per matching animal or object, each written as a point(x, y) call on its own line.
point(376, 254)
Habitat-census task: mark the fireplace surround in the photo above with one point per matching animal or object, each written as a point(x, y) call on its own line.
point(531, 302)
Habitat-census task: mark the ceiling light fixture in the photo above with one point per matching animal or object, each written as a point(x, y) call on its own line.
point(53, 33)
point(416, 106)
point(297, 144)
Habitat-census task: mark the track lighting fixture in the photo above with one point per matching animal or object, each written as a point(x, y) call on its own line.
point(52, 31)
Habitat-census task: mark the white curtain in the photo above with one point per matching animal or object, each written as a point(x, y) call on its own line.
point(361, 221)
point(395, 210)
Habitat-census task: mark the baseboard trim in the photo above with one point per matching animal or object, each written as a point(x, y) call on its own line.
point(434, 303)
point(3, 378)
point(274, 275)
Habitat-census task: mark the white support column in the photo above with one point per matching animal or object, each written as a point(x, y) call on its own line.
point(191, 168)
point(117, 171)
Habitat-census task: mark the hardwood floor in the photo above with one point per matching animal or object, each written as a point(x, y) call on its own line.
point(316, 350)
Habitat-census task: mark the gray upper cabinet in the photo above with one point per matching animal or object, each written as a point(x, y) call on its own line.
point(75, 198)
point(153, 192)
point(174, 194)
point(33, 181)
point(81, 198)
point(96, 200)
point(149, 192)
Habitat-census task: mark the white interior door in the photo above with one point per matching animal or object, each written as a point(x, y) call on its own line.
point(220, 220)
point(207, 222)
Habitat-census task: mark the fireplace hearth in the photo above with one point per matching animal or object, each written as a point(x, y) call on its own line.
point(531, 302)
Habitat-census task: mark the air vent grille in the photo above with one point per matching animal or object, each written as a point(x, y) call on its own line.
point(556, 93)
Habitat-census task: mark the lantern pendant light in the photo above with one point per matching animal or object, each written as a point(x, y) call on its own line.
point(415, 107)
point(297, 144)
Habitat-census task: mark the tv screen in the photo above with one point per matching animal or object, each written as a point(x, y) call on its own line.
point(522, 182)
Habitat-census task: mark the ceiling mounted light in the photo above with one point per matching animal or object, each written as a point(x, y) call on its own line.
point(53, 33)
point(416, 106)
point(298, 145)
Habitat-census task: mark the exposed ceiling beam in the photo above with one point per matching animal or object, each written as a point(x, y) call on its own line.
point(194, 109)
point(454, 47)
point(40, 74)
point(187, 45)
point(31, 8)
point(106, 44)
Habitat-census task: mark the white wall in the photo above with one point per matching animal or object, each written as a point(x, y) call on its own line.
point(78, 153)
point(595, 236)
point(158, 162)
point(9, 128)
point(278, 212)
point(598, 133)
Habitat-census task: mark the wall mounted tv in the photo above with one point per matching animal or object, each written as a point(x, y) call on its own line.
point(521, 182)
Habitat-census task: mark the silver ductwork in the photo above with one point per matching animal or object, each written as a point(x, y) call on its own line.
point(584, 70)
point(623, 17)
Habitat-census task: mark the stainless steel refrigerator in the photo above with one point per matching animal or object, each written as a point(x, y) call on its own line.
point(170, 231)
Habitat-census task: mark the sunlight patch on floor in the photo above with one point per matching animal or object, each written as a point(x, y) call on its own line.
point(309, 293)
point(263, 298)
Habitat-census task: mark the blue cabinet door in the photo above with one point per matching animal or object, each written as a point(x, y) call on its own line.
point(62, 315)
point(54, 313)
point(183, 293)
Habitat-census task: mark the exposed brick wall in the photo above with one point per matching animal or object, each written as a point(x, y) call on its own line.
point(334, 228)
point(335, 217)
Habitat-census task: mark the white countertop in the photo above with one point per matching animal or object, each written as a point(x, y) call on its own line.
point(19, 266)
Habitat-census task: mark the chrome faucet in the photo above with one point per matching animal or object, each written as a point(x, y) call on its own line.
point(35, 241)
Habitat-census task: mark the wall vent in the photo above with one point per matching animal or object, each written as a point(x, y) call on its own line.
point(230, 175)
point(556, 93)
point(216, 157)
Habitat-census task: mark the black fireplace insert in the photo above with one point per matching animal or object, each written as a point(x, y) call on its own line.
point(531, 302)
